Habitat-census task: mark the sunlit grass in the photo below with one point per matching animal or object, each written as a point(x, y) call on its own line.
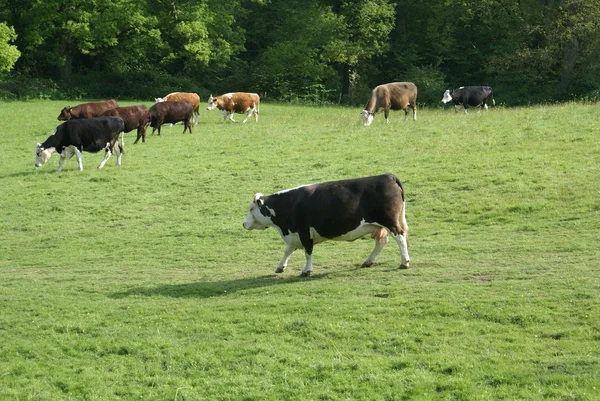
point(138, 282)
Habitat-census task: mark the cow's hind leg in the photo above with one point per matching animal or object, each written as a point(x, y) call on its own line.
point(380, 243)
point(248, 115)
point(119, 151)
point(106, 155)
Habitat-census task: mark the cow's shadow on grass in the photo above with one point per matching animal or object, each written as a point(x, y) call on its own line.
point(209, 289)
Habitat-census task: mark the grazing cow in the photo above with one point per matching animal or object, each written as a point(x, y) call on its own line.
point(86, 110)
point(134, 117)
point(193, 98)
point(392, 96)
point(475, 96)
point(90, 135)
point(171, 112)
point(337, 210)
point(236, 102)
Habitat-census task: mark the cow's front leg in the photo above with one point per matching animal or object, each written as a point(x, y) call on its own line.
point(307, 243)
point(386, 113)
point(231, 117)
point(106, 155)
point(289, 249)
point(380, 243)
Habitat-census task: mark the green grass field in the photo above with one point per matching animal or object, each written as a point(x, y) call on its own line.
point(139, 283)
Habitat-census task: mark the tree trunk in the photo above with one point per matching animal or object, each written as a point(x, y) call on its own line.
point(66, 70)
point(568, 66)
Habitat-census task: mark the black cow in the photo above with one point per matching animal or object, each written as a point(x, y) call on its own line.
point(90, 135)
point(171, 112)
point(337, 210)
point(475, 96)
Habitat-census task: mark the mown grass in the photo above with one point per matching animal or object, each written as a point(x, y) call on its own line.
point(139, 282)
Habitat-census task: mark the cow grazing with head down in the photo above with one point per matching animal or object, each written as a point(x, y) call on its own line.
point(75, 136)
point(193, 98)
point(337, 210)
point(474, 96)
point(171, 112)
point(86, 110)
point(235, 102)
point(392, 96)
point(134, 117)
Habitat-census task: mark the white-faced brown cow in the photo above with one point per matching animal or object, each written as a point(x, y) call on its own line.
point(392, 96)
point(86, 110)
point(134, 117)
point(337, 210)
point(235, 102)
point(171, 112)
point(193, 98)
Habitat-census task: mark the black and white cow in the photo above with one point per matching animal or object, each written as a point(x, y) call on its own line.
point(337, 210)
point(474, 96)
point(90, 135)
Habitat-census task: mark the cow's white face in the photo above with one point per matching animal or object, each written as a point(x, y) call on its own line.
point(212, 103)
point(159, 99)
point(447, 97)
point(366, 117)
point(42, 155)
point(255, 220)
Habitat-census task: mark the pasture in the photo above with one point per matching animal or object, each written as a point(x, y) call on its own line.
point(139, 283)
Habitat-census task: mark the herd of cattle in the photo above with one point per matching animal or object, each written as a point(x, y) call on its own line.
point(304, 216)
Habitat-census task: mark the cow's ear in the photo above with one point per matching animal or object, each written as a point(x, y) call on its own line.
point(258, 199)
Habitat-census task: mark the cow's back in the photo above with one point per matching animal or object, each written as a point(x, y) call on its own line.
point(133, 116)
point(94, 109)
point(193, 98)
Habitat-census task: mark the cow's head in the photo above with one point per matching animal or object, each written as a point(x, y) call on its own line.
point(447, 96)
point(42, 155)
point(65, 114)
point(366, 117)
point(159, 99)
point(256, 220)
point(212, 103)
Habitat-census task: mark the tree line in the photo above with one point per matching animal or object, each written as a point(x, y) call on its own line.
point(309, 51)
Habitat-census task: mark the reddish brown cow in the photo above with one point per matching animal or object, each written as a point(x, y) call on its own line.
point(86, 110)
point(134, 117)
point(392, 96)
point(171, 112)
point(193, 98)
point(236, 102)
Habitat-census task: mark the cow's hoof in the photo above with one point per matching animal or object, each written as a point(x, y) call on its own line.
point(305, 274)
point(366, 264)
point(279, 270)
point(404, 267)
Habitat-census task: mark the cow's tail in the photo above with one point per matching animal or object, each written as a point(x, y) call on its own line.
point(403, 222)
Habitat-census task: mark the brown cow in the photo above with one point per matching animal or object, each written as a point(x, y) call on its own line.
point(236, 102)
point(171, 112)
point(394, 96)
point(86, 110)
point(134, 117)
point(179, 96)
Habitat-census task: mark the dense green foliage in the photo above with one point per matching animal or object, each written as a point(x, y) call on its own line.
point(310, 51)
point(139, 283)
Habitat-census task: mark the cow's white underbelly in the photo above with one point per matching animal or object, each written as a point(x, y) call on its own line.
point(363, 229)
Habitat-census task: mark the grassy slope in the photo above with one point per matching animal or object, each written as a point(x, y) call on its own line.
point(139, 282)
